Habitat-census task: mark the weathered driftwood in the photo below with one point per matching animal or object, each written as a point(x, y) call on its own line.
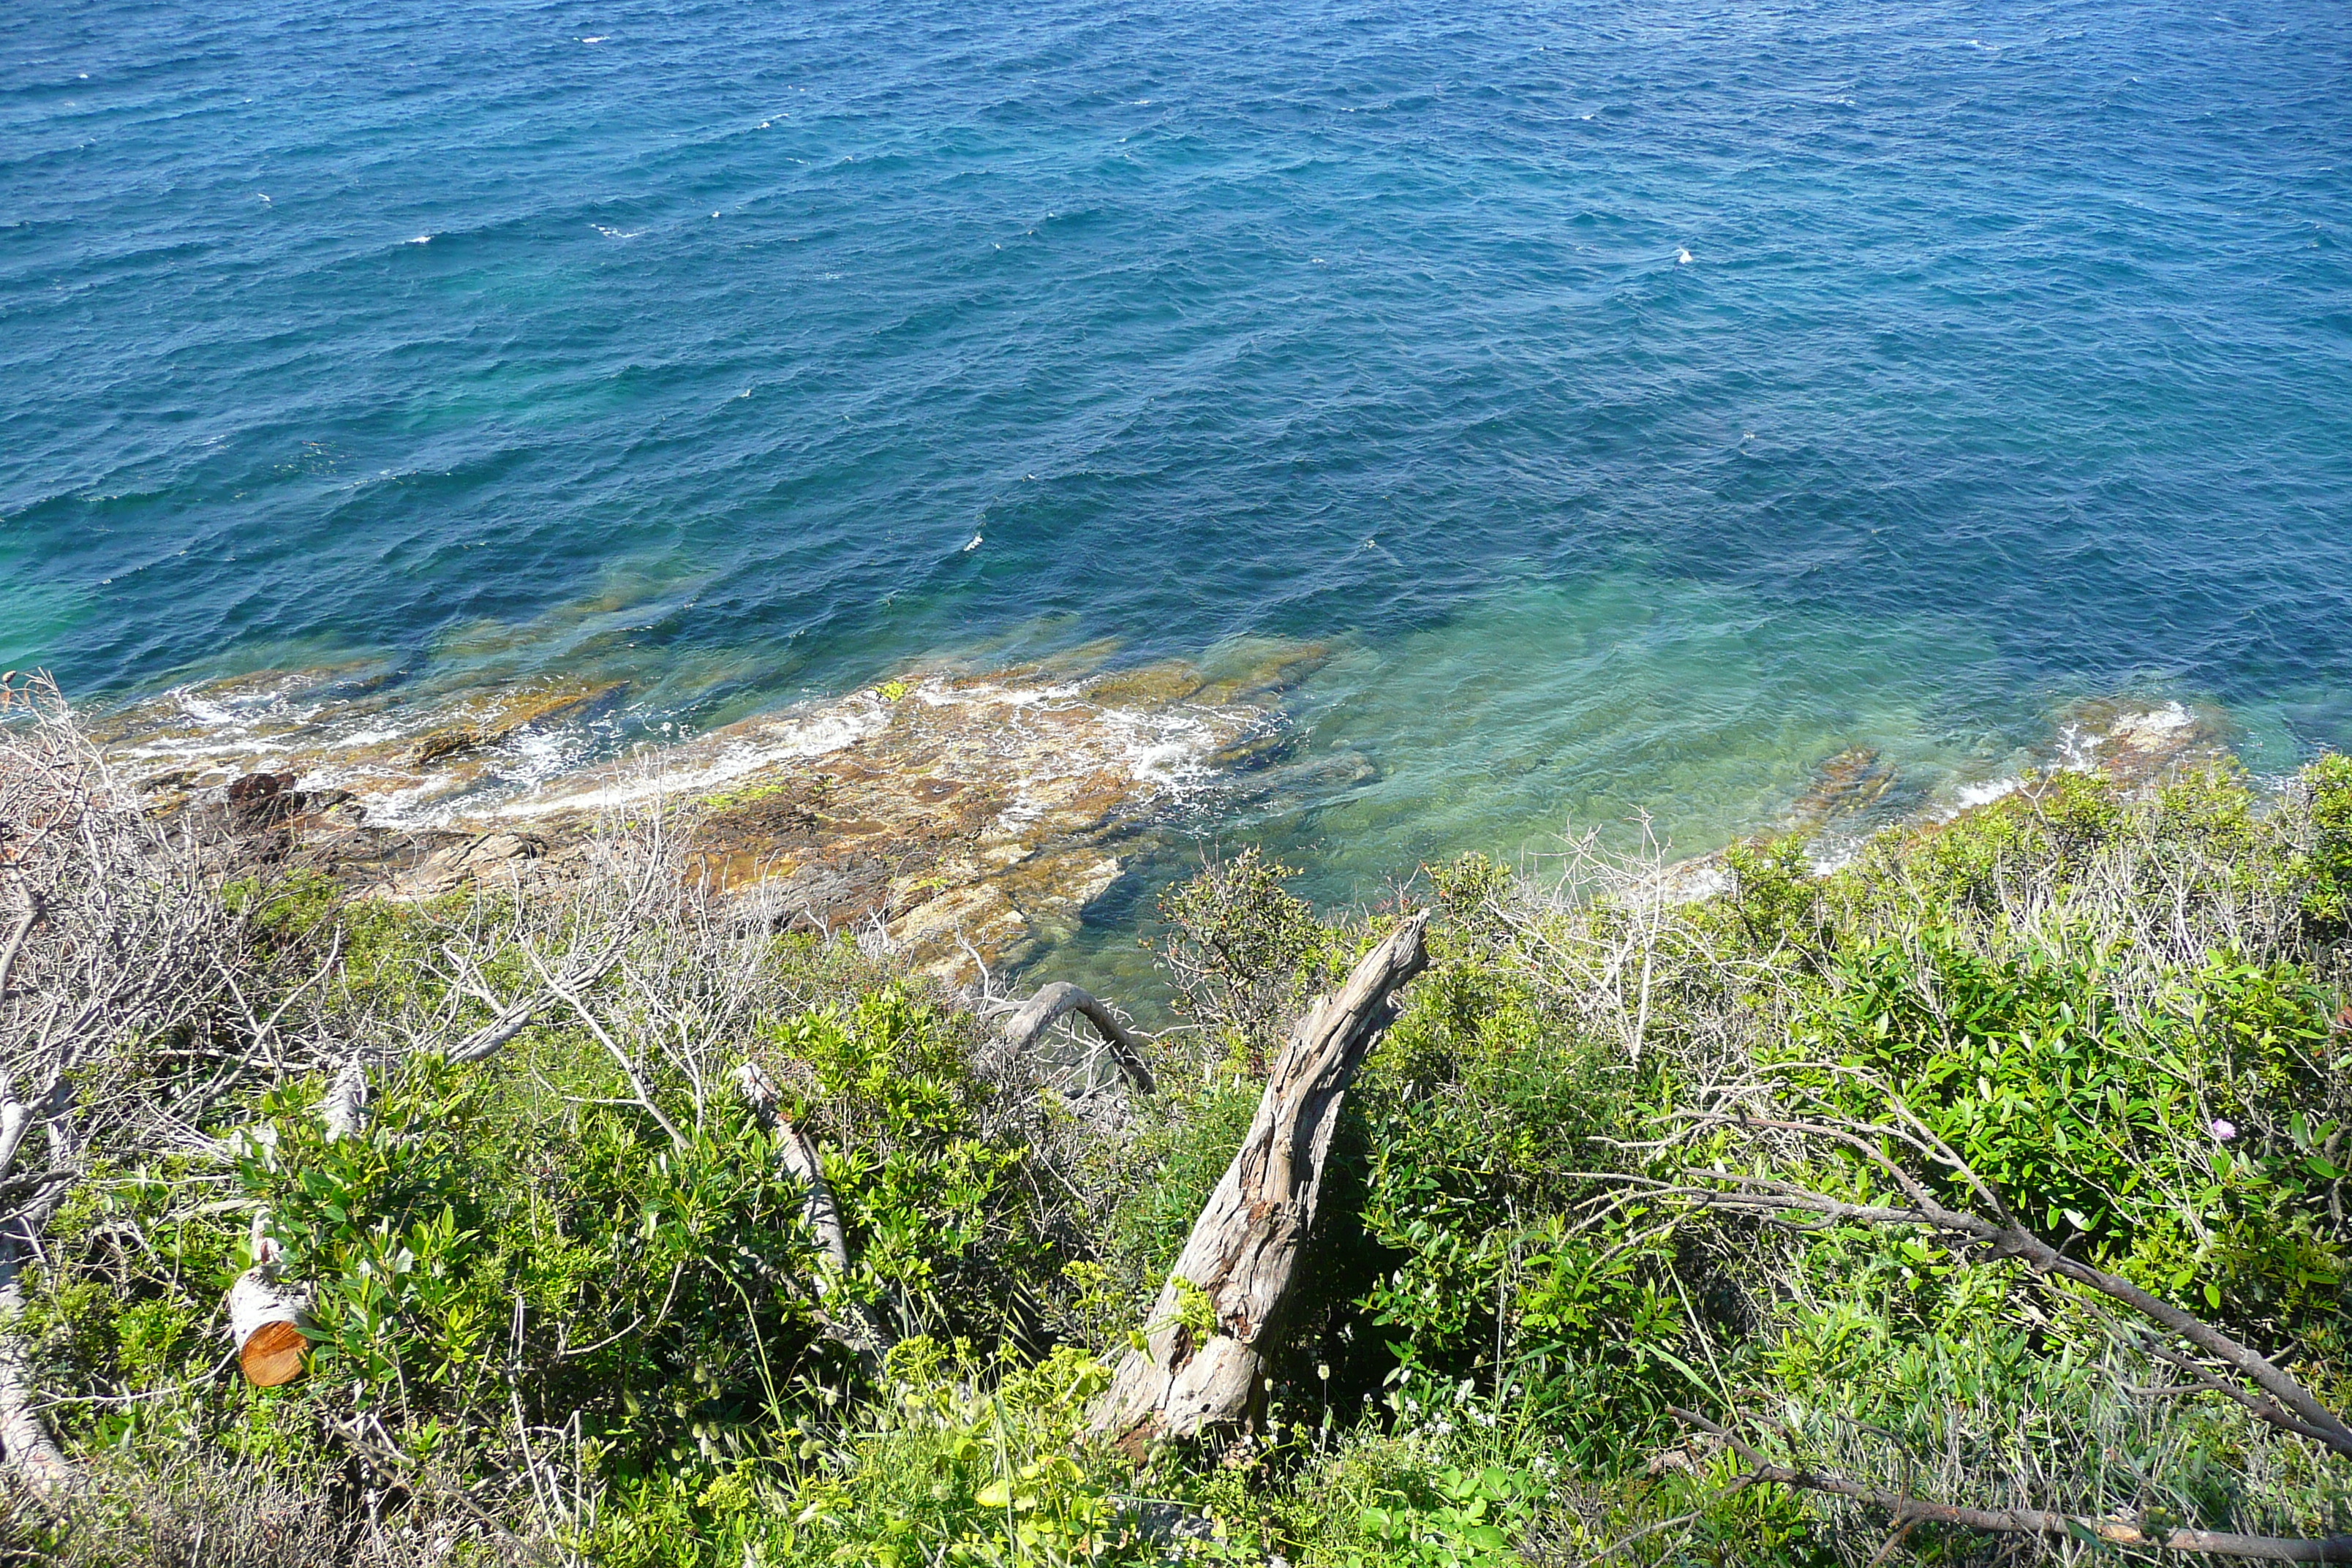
point(1052, 1003)
point(265, 1317)
point(846, 1321)
point(1245, 1246)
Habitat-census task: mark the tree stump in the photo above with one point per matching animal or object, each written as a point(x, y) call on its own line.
point(264, 1320)
point(1245, 1246)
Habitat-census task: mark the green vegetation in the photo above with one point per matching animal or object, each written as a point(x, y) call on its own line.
point(1619, 1157)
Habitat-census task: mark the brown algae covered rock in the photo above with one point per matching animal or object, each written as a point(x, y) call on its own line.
point(967, 818)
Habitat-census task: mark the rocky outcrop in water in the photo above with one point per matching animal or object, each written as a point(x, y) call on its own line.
point(969, 820)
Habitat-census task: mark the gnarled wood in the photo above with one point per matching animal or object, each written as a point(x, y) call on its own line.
point(1053, 1002)
point(1245, 1248)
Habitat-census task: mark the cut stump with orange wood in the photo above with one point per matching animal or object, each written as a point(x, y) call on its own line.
point(272, 1354)
point(265, 1320)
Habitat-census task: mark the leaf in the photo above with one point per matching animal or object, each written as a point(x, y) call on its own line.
point(997, 1493)
point(1679, 1366)
point(2214, 1295)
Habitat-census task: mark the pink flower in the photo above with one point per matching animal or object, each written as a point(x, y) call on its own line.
point(2223, 1131)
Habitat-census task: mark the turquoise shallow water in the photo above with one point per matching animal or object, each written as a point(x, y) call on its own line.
point(1647, 401)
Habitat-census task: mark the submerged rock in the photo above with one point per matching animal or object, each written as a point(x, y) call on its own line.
point(2140, 744)
point(2137, 744)
point(1852, 780)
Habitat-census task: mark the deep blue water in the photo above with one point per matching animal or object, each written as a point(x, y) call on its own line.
point(1650, 399)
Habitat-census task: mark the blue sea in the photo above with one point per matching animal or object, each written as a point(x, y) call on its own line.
point(1641, 402)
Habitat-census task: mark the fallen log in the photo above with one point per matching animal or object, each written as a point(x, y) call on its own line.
point(845, 1320)
point(1052, 1003)
point(1237, 1266)
point(264, 1318)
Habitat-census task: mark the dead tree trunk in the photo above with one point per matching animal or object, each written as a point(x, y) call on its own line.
point(26, 1447)
point(1042, 1012)
point(344, 1110)
point(1245, 1246)
point(845, 1320)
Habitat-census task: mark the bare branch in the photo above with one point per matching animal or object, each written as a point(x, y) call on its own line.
point(35, 907)
point(2111, 1530)
point(1027, 1026)
point(2291, 1406)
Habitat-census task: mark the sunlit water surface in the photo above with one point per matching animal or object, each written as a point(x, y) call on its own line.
point(1645, 403)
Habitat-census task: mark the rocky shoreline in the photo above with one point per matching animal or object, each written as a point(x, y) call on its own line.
point(967, 819)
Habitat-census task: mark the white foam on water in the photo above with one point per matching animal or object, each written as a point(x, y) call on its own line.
point(419, 805)
point(201, 711)
point(538, 755)
point(2142, 729)
point(936, 695)
point(2077, 750)
point(1167, 752)
point(1969, 797)
point(2154, 725)
point(786, 740)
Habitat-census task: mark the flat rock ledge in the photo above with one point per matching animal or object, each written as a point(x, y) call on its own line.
point(967, 819)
